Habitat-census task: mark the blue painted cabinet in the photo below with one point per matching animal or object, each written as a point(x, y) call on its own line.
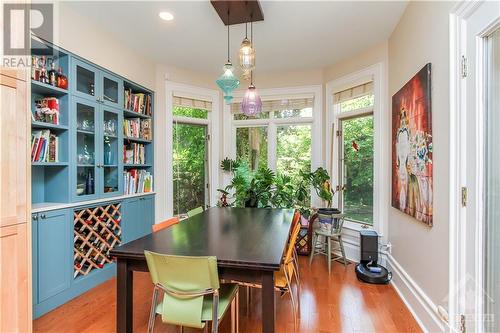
point(138, 217)
point(98, 152)
point(95, 84)
point(52, 247)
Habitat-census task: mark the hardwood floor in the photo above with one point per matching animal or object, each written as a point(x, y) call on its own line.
point(339, 303)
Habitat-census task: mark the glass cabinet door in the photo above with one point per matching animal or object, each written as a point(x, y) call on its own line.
point(86, 80)
point(112, 90)
point(111, 151)
point(86, 148)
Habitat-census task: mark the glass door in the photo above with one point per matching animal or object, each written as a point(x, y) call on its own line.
point(86, 148)
point(190, 167)
point(112, 90)
point(111, 151)
point(85, 82)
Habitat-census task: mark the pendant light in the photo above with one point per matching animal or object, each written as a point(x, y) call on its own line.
point(227, 82)
point(251, 104)
point(247, 54)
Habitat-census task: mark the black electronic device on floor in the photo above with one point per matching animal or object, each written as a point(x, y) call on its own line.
point(368, 270)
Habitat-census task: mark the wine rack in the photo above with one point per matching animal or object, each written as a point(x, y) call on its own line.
point(96, 230)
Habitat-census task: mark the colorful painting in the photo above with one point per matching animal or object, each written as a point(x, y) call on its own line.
point(412, 147)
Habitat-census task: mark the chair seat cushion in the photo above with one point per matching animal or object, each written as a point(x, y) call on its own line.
point(226, 294)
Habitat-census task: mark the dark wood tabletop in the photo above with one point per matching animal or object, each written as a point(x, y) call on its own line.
point(250, 237)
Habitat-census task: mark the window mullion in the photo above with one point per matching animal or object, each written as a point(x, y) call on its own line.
point(271, 146)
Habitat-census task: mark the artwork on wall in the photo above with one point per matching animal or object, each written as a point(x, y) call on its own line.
point(412, 147)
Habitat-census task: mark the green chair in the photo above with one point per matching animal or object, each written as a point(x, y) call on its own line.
point(192, 296)
point(195, 211)
point(325, 239)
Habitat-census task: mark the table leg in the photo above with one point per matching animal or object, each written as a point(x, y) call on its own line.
point(268, 304)
point(124, 297)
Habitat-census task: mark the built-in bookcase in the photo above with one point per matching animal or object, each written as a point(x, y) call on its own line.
point(91, 155)
point(46, 176)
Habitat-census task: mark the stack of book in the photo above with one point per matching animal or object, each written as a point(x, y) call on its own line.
point(44, 146)
point(138, 102)
point(137, 181)
point(137, 128)
point(134, 153)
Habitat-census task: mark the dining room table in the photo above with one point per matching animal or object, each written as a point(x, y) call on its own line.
point(248, 242)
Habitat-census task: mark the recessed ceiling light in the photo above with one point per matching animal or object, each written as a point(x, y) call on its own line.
point(166, 16)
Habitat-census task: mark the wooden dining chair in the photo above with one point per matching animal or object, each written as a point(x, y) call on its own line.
point(165, 224)
point(283, 278)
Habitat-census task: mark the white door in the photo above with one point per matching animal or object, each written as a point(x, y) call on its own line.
point(477, 283)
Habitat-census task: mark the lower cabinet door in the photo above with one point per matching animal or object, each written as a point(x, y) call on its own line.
point(147, 218)
point(138, 217)
point(54, 253)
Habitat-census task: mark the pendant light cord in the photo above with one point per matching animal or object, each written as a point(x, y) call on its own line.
point(251, 42)
point(228, 60)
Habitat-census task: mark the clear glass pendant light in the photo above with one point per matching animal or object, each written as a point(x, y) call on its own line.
point(251, 104)
point(247, 53)
point(227, 82)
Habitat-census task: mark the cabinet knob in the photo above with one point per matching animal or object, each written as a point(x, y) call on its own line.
point(34, 217)
point(42, 216)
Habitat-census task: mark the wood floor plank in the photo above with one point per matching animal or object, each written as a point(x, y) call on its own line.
point(335, 303)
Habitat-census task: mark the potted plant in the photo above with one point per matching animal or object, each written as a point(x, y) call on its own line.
point(320, 181)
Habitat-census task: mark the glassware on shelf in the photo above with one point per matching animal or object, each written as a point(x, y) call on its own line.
point(85, 157)
point(108, 154)
point(110, 127)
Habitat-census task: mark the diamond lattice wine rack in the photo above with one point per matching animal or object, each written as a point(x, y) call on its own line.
point(97, 230)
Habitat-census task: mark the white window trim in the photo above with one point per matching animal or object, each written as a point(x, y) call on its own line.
point(381, 189)
point(184, 90)
point(230, 125)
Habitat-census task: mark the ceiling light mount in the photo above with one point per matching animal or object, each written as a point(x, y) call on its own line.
point(166, 16)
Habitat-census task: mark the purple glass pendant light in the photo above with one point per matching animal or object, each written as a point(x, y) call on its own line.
point(251, 104)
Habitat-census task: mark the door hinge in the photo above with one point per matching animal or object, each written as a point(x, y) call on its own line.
point(464, 67)
point(464, 196)
point(208, 137)
point(339, 133)
point(463, 328)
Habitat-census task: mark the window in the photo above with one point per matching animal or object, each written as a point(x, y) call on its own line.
point(279, 138)
point(356, 151)
point(190, 154)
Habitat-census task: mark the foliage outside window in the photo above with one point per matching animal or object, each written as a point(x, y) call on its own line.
point(357, 103)
point(357, 168)
point(189, 161)
point(251, 147)
point(293, 152)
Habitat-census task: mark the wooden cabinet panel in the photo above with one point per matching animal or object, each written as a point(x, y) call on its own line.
point(14, 144)
point(14, 302)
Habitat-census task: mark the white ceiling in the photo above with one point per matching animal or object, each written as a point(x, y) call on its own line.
point(294, 35)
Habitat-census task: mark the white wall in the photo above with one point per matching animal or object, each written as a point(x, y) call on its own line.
point(421, 252)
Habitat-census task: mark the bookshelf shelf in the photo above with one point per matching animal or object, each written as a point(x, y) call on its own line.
point(128, 138)
point(50, 164)
point(131, 114)
point(85, 132)
point(137, 165)
point(54, 127)
point(41, 88)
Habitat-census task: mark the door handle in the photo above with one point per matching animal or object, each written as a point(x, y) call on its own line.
point(43, 216)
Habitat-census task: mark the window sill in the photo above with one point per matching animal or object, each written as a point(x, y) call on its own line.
point(356, 226)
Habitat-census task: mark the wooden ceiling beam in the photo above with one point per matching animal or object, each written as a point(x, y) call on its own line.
point(240, 11)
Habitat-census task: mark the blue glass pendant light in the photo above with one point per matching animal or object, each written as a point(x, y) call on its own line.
point(227, 82)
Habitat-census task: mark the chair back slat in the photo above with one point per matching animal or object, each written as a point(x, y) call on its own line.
point(337, 223)
point(195, 211)
point(165, 224)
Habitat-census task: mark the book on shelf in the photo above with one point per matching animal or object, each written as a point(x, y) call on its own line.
point(134, 153)
point(44, 146)
point(47, 110)
point(137, 128)
point(137, 102)
point(137, 181)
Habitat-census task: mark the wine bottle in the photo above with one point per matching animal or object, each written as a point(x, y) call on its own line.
point(62, 80)
point(52, 74)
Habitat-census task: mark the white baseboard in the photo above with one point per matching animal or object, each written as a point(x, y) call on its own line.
point(420, 305)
